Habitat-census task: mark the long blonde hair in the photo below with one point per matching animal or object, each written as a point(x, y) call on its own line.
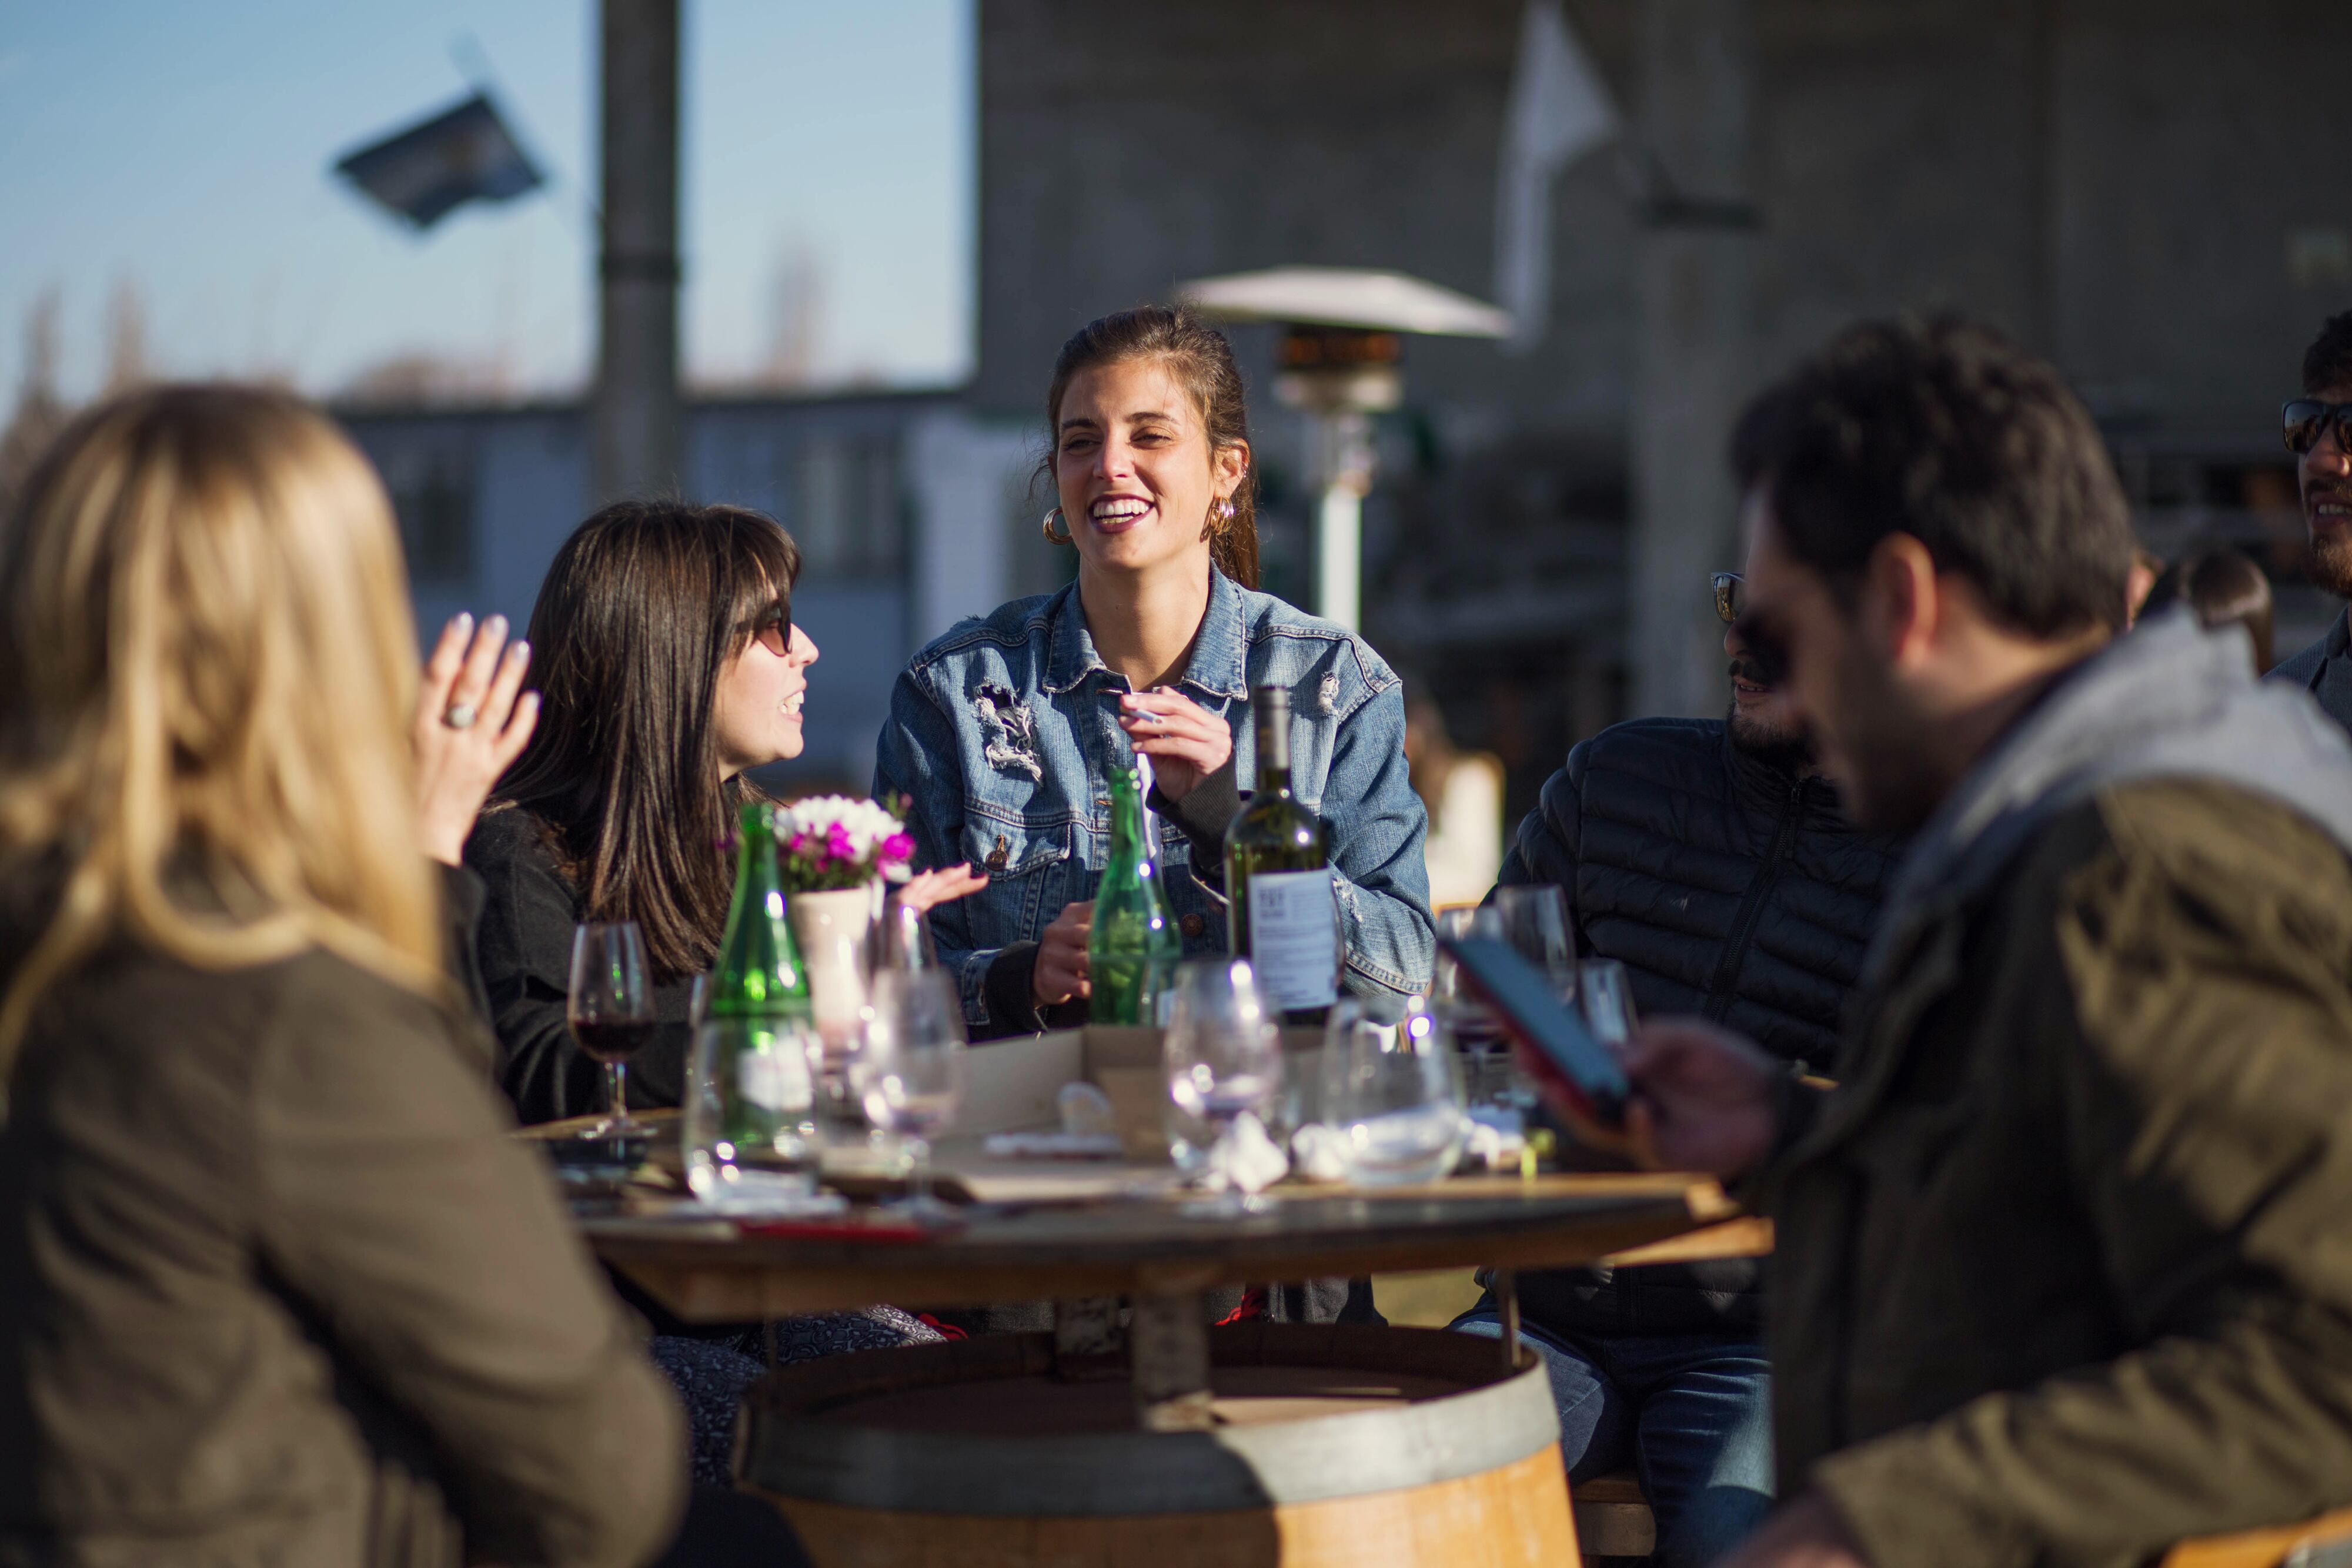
point(207, 622)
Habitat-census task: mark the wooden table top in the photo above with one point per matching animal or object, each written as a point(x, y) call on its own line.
point(711, 1271)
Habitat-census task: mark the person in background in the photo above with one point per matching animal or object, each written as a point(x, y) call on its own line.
point(2222, 587)
point(2146, 570)
point(1463, 792)
point(2315, 434)
point(669, 667)
point(1711, 858)
point(1002, 732)
point(275, 1283)
point(2064, 1266)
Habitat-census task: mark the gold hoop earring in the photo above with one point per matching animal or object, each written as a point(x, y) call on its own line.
point(1046, 527)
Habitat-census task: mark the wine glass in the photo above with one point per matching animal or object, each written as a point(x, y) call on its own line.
point(1607, 993)
point(1392, 1091)
point(611, 1011)
point(1223, 1059)
point(1535, 921)
point(908, 1071)
point(902, 938)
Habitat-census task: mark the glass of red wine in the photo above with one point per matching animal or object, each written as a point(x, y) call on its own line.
point(611, 1010)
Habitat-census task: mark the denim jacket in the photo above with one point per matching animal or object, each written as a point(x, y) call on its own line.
point(1002, 733)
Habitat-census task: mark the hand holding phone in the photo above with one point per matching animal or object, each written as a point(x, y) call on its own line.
point(1570, 1067)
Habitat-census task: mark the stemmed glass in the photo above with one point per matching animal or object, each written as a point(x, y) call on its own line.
point(610, 1007)
point(1535, 921)
point(1223, 1059)
point(902, 938)
point(1608, 995)
point(908, 1071)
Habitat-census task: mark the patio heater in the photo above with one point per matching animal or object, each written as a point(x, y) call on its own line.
point(1340, 362)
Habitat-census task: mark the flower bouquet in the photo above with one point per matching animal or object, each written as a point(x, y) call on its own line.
point(830, 843)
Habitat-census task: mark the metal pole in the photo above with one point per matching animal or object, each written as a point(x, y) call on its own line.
point(634, 419)
point(1344, 436)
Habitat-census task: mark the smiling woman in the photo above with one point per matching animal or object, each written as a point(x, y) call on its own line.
point(1004, 732)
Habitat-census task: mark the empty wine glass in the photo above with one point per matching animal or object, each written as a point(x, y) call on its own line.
point(610, 1007)
point(908, 1071)
point(1607, 993)
point(1392, 1091)
point(748, 1132)
point(1222, 1058)
point(902, 938)
point(1535, 921)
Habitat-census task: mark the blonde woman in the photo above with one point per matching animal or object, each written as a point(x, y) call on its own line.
point(274, 1285)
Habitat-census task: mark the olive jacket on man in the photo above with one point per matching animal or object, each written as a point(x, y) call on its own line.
point(2066, 1260)
point(276, 1287)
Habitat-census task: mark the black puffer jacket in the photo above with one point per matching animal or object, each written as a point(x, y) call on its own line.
point(1728, 887)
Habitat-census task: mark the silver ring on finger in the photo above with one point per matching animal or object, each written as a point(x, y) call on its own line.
point(459, 716)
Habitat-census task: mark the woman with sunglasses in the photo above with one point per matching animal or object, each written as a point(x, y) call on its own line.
point(669, 669)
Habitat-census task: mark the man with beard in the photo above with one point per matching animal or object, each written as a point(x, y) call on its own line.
point(1710, 857)
point(2315, 434)
point(2065, 1266)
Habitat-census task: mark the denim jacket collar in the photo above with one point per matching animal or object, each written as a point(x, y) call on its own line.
point(1217, 666)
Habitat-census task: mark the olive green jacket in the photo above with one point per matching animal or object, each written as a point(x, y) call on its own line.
point(276, 1286)
point(2066, 1260)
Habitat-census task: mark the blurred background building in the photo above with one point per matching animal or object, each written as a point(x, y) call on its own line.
point(2143, 190)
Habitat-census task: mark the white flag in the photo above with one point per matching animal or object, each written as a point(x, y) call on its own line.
point(1559, 111)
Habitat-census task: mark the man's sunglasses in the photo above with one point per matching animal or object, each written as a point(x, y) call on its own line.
point(1730, 596)
point(2306, 419)
point(774, 632)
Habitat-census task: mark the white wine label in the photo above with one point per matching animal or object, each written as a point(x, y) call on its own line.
point(1294, 920)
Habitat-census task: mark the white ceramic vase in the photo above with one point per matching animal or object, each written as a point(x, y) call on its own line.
point(832, 928)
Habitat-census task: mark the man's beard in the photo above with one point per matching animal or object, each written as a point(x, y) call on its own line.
point(2327, 558)
point(1881, 763)
point(1774, 745)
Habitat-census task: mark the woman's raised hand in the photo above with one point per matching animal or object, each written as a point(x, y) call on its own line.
point(473, 719)
point(1185, 741)
point(925, 890)
point(1060, 972)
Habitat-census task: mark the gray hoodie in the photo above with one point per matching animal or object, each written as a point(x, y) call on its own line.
point(2170, 700)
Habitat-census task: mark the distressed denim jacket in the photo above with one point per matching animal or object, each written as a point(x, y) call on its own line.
point(1002, 733)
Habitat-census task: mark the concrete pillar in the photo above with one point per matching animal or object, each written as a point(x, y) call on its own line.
point(968, 480)
point(1693, 285)
point(635, 419)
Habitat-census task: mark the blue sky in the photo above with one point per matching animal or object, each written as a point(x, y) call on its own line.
point(185, 148)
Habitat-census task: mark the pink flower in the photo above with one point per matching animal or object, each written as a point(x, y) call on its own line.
point(897, 847)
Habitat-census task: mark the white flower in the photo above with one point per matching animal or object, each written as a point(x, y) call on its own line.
point(865, 824)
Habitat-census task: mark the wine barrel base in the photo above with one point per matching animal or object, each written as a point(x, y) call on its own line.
point(1356, 1447)
point(1515, 1517)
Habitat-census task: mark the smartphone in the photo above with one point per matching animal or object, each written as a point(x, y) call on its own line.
point(1568, 1064)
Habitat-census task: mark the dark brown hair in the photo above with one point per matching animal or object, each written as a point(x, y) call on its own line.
point(1947, 431)
point(1203, 364)
point(643, 607)
point(2329, 361)
point(2223, 585)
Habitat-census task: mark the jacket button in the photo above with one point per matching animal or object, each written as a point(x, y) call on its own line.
point(1191, 925)
point(997, 856)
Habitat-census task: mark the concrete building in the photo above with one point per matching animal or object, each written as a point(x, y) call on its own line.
point(899, 504)
point(2140, 190)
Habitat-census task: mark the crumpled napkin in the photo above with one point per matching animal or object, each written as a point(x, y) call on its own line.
point(1319, 1152)
point(1245, 1158)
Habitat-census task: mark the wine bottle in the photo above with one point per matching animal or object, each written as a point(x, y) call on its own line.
point(1282, 911)
point(758, 973)
point(1133, 945)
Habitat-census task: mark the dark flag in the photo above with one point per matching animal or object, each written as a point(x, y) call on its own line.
point(462, 155)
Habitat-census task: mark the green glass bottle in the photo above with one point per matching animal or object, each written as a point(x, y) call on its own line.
point(1282, 911)
point(1133, 946)
point(758, 973)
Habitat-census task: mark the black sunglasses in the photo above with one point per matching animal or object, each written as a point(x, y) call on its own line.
point(2306, 419)
point(1730, 596)
point(773, 631)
